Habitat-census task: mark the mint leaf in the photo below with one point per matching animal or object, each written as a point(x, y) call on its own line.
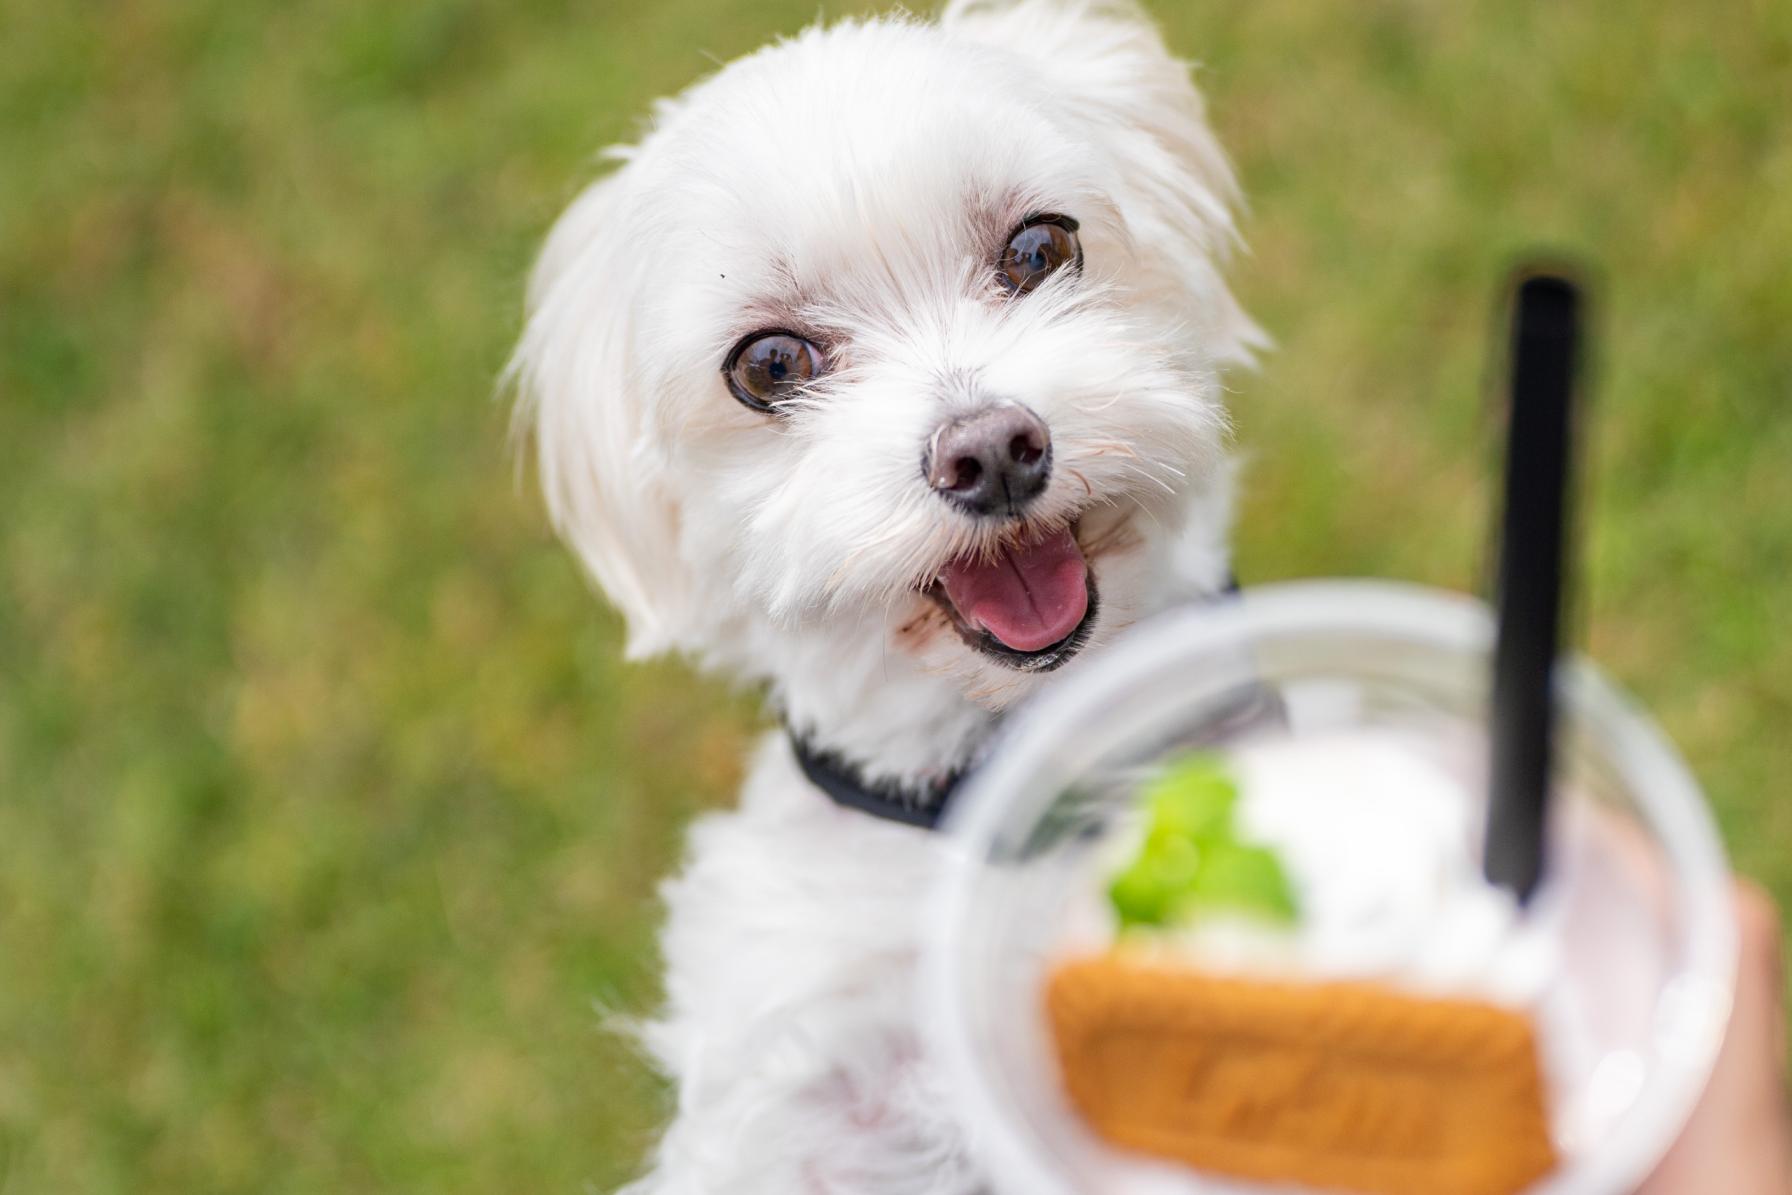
point(1138, 899)
point(1191, 861)
point(1192, 800)
point(1240, 878)
point(1156, 882)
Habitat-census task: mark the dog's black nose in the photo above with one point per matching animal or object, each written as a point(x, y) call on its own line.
point(991, 462)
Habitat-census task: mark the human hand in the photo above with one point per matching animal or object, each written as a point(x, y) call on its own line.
point(1739, 1140)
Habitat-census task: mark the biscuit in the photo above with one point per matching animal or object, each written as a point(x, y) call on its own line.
point(1340, 1086)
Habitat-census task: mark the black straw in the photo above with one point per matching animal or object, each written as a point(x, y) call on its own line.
point(1545, 340)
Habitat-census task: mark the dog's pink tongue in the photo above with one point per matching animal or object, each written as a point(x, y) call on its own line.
point(1028, 597)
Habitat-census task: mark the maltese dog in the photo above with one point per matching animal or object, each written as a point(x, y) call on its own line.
point(884, 373)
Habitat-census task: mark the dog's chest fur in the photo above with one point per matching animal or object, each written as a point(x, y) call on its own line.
point(790, 946)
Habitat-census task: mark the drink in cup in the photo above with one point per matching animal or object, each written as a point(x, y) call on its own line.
point(1220, 921)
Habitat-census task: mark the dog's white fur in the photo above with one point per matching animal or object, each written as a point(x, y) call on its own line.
point(856, 183)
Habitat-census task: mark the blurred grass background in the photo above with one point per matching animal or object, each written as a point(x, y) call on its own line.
point(328, 816)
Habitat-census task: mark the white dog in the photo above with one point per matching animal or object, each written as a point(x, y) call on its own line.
point(884, 373)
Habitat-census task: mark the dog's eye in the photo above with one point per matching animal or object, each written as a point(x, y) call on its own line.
point(768, 367)
point(1040, 247)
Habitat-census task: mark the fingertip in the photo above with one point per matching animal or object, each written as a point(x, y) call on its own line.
point(1758, 922)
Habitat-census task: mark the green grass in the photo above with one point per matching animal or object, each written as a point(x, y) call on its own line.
point(328, 816)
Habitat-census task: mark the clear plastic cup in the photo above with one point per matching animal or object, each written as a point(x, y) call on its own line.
point(1646, 972)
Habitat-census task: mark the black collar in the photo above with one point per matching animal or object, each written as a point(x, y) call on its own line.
point(910, 804)
point(921, 805)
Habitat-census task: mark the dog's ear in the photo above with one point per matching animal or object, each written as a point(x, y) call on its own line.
point(578, 402)
point(1142, 99)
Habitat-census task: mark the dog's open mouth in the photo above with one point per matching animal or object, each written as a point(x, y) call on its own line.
point(1030, 605)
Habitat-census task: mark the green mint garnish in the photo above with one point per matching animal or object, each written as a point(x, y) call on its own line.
point(1192, 862)
point(1148, 891)
point(1193, 801)
point(1242, 878)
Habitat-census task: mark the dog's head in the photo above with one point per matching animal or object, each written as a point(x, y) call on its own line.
point(908, 331)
